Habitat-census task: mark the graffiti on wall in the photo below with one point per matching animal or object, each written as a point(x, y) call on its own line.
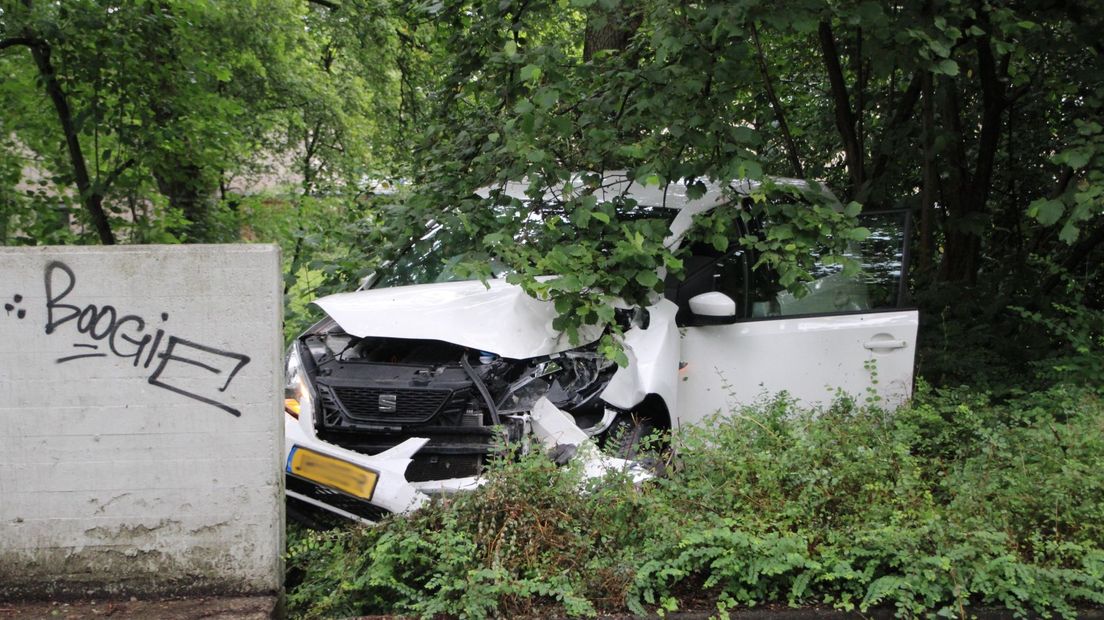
point(101, 331)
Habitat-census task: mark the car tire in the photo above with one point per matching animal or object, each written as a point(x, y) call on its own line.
point(628, 438)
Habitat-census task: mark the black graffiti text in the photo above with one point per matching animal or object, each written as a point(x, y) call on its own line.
point(125, 336)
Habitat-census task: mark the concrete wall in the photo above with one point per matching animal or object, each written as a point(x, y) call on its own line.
point(140, 426)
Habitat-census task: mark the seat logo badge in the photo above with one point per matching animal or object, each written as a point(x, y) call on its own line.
point(388, 403)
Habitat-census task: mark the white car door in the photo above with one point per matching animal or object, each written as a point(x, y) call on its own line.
point(846, 335)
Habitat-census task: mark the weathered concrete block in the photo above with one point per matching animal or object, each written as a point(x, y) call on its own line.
point(140, 426)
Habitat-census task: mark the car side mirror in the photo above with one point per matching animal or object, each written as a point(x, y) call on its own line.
point(713, 308)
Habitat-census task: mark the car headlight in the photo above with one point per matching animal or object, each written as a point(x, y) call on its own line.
point(566, 378)
point(297, 394)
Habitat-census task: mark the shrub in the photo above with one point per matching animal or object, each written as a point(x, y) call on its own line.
point(952, 502)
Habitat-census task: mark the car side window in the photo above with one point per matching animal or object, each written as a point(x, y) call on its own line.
point(876, 286)
point(758, 294)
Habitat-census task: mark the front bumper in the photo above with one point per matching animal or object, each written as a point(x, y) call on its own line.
point(393, 493)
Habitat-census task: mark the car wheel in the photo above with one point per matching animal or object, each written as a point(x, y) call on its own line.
point(633, 437)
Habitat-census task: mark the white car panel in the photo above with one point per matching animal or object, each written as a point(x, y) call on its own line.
point(653, 361)
point(728, 366)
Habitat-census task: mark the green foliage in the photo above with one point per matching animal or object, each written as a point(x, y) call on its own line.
point(982, 118)
point(329, 244)
point(953, 502)
point(173, 103)
point(1076, 331)
point(1035, 328)
point(998, 100)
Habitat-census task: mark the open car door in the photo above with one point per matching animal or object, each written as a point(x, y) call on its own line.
point(846, 335)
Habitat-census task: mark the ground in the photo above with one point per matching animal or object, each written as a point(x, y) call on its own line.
point(213, 608)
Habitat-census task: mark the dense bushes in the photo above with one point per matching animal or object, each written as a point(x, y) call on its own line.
point(952, 502)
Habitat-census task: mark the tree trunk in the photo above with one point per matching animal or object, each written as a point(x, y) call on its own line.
point(930, 182)
point(182, 177)
point(845, 118)
point(969, 191)
point(185, 189)
point(91, 197)
point(609, 30)
point(960, 247)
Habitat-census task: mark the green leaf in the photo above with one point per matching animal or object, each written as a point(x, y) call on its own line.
point(746, 135)
point(1069, 232)
point(1046, 211)
point(858, 234)
point(804, 23)
point(510, 49)
point(562, 304)
point(719, 241)
point(647, 278)
point(530, 73)
point(547, 97)
point(940, 48)
point(695, 190)
point(852, 209)
point(750, 169)
point(946, 67)
point(1076, 158)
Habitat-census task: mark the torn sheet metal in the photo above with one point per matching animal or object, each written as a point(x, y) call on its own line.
point(554, 428)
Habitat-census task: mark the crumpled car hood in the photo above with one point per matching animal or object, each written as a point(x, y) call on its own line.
point(501, 319)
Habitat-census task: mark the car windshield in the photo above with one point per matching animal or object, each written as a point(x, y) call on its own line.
point(437, 255)
point(434, 258)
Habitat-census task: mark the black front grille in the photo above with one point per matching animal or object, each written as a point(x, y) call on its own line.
point(404, 406)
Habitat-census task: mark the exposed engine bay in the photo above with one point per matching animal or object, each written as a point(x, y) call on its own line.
point(375, 393)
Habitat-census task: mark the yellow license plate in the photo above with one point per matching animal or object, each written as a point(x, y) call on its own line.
point(334, 473)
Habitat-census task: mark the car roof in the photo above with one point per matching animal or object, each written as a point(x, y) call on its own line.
point(673, 195)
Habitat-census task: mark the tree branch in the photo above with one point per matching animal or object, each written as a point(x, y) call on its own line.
point(114, 175)
point(12, 42)
point(900, 116)
point(845, 119)
point(992, 97)
point(787, 137)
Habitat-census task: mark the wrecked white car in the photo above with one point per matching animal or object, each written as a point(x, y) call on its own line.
point(411, 383)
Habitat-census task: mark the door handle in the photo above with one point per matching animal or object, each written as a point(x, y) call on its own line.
point(884, 344)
